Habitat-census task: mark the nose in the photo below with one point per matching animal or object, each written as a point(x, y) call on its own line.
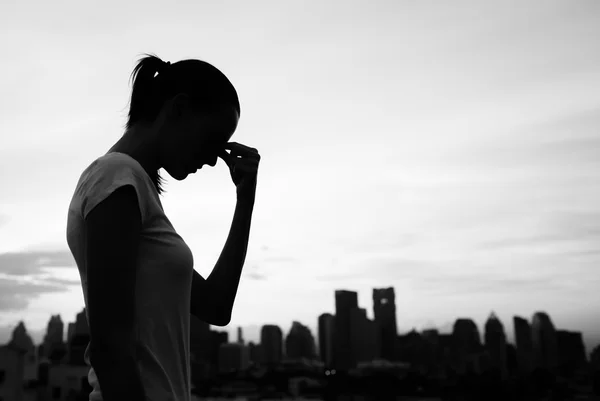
point(212, 162)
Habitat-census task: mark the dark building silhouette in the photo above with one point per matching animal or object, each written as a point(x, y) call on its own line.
point(466, 347)
point(364, 336)
point(78, 338)
point(21, 340)
point(271, 340)
point(199, 339)
point(465, 336)
point(543, 335)
point(524, 345)
point(256, 353)
point(512, 363)
point(571, 351)
point(55, 348)
point(495, 344)
point(299, 342)
point(345, 303)
point(216, 338)
point(384, 310)
point(326, 333)
point(240, 335)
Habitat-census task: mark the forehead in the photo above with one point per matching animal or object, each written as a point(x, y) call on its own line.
point(220, 123)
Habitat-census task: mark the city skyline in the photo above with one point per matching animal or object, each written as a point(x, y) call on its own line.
point(234, 334)
point(450, 152)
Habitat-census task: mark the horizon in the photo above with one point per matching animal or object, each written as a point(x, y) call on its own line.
point(254, 329)
point(448, 151)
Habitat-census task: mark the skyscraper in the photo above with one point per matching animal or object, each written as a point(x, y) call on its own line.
point(78, 339)
point(326, 335)
point(571, 350)
point(54, 346)
point(240, 335)
point(384, 310)
point(543, 336)
point(300, 342)
point(271, 341)
point(465, 336)
point(495, 344)
point(345, 302)
point(524, 345)
point(364, 336)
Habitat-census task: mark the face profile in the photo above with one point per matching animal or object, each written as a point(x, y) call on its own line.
point(191, 138)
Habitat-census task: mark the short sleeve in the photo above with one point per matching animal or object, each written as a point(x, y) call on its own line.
point(105, 178)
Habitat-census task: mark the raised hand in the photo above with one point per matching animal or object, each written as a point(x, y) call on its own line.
point(243, 165)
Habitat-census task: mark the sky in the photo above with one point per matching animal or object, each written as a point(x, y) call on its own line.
point(447, 149)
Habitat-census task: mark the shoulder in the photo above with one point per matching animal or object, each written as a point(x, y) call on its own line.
point(114, 163)
point(108, 173)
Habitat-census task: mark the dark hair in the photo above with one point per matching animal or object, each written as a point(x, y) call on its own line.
point(156, 81)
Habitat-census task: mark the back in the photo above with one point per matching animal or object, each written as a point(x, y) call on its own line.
point(164, 270)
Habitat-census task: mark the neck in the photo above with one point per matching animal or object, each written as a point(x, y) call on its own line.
point(138, 142)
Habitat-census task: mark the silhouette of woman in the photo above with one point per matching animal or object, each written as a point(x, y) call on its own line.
point(136, 272)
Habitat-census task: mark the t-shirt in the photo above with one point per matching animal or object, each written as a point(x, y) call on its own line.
point(163, 280)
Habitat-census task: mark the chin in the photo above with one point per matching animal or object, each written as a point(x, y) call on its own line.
point(178, 175)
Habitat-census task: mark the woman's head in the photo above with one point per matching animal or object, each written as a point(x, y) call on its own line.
point(191, 106)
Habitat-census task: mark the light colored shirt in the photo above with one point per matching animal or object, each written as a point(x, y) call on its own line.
point(163, 279)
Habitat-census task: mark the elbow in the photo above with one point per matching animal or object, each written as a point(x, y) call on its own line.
point(221, 320)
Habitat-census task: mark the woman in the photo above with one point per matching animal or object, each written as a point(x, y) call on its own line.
point(137, 273)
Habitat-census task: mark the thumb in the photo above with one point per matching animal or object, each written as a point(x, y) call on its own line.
point(226, 158)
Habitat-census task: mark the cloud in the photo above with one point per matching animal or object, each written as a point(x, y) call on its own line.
point(570, 141)
point(256, 276)
point(15, 294)
point(33, 262)
point(581, 227)
point(24, 276)
point(483, 284)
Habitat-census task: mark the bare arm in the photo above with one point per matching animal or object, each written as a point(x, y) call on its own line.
point(213, 298)
point(112, 230)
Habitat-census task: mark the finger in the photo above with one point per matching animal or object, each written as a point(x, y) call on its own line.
point(239, 149)
point(226, 158)
point(247, 162)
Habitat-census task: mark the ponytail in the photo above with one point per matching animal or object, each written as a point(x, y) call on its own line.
point(146, 94)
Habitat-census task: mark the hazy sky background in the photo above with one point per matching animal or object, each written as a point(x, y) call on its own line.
point(448, 149)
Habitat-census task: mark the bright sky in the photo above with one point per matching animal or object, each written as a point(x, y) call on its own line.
point(447, 149)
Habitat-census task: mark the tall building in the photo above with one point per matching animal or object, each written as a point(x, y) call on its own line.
point(384, 308)
point(70, 331)
point(543, 336)
point(271, 341)
point(465, 336)
point(216, 338)
point(256, 353)
point(240, 335)
point(364, 336)
point(54, 345)
point(524, 345)
point(20, 339)
point(233, 357)
point(326, 333)
point(495, 344)
point(199, 339)
point(345, 303)
point(78, 339)
point(571, 350)
point(11, 373)
point(81, 324)
point(299, 342)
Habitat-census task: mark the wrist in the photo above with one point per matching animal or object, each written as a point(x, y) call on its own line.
point(245, 199)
